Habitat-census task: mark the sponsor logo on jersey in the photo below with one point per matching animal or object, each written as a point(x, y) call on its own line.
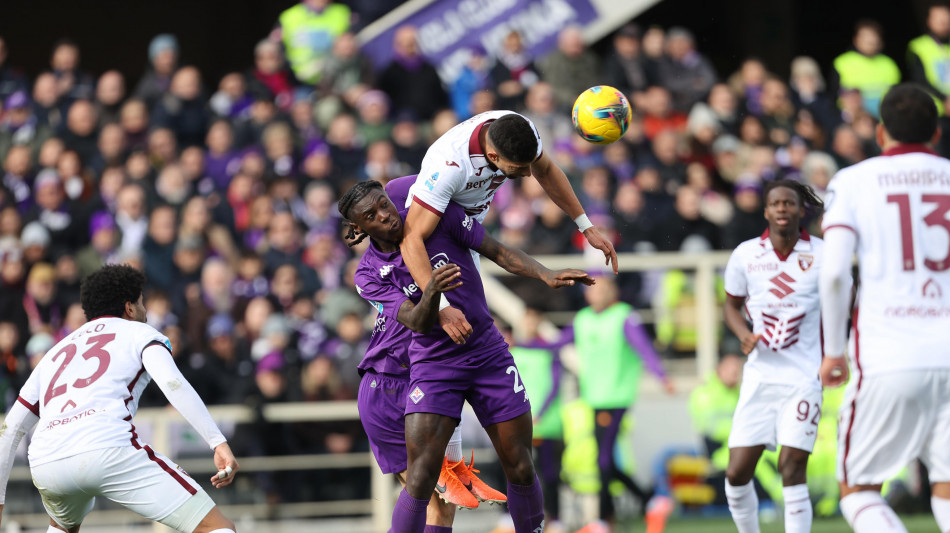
point(762, 267)
point(439, 260)
point(805, 261)
point(781, 333)
point(430, 181)
point(782, 289)
point(410, 290)
point(476, 184)
point(468, 222)
point(416, 395)
point(385, 270)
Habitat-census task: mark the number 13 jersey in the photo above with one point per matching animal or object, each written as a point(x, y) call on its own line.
point(897, 204)
point(86, 389)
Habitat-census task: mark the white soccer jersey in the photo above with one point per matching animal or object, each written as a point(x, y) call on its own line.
point(86, 389)
point(782, 303)
point(897, 204)
point(455, 168)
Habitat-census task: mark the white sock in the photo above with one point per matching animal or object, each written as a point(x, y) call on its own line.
point(867, 512)
point(454, 450)
point(223, 531)
point(744, 506)
point(941, 510)
point(798, 513)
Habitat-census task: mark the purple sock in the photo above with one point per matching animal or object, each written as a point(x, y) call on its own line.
point(409, 515)
point(437, 529)
point(526, 506)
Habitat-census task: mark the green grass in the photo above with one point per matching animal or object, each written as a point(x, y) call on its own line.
point(919, 523)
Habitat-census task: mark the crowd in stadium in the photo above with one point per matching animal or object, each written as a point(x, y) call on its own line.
point(224, 193)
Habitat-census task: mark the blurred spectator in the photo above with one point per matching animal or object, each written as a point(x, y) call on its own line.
point(927, 57)
point(817, 171)
point(865, 68)
point(131, 217)
point(308, 31)
point(808, 93)
point(541, 109)
point(659, 114)
point(474, 76)
point(626, 68)
point(408, 142)
point(43, 311)
point(233, 100)
point(46, 102)
point(103, 245)
point(777, 112)
point(571, 69)
point(20, 126)
point(81, 132)
point(55, 212)
point(425, 95)
point(183, 109)
point(134, 121)
point(669, 164)
point(630, 219)
point(110, 93)
point(513, 72)
point(374, 124)
point(551, 232)
point(747, 84)
point(846, 147)
point(17, 174)
point(748, 219)
point(162, 63)
point(686, 222)
point(11, 79)
point(221, 161)
point(110, 148)
point(34, 243)
point(685, 72)
point(346, 147)
point(270, 75)
point(71, 82)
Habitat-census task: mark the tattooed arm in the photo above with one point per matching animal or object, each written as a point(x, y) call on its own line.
point(519, 263)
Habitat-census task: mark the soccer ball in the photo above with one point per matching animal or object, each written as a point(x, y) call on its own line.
point(601, 114)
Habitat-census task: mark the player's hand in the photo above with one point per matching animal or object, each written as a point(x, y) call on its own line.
point(567, 278)
point(454, 323)
point(444, 278)
point(226, 464)
point(834, 371)
point(749, 342)
point(603, 244)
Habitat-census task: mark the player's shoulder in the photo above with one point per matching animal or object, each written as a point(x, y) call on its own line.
point(136, 329)
point(748, 248)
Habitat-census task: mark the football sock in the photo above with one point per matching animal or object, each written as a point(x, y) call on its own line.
point(409, 515)
point(744, 506)
point(437, 529)
point(867, 512)
point(526, 507)
point(798, 512)
point(941, 510)
point(454, 450)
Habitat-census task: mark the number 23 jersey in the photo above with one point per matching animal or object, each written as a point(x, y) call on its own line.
point(86, 389)
point(782, 303)
point(897, 204)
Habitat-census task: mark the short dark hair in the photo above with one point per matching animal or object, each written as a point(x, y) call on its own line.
point(806, 195)
point(351, 198)
point(106, 291)
point(514, 138)
point(869, 24)
point(909, 114)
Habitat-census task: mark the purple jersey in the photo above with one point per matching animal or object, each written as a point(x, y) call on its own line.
point(388, 350)
point(398, 189)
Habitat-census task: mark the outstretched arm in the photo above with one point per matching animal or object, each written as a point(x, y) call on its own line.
point(19, 421)
point(556, 185)
point(638, 339)
point(158, 361)
point(519, 263)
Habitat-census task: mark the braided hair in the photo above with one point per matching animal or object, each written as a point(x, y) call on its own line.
point(806, 195)
point(351, 198)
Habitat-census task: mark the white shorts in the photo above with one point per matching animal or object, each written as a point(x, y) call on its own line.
point(770, 414)
point(887, 421)
point(141, 480)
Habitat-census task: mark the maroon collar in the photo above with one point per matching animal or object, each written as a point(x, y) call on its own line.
point(802, 234)
point(909, 149)
point(475, 147)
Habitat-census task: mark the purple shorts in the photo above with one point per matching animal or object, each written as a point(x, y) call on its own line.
point(493, 388)
point(382, 406)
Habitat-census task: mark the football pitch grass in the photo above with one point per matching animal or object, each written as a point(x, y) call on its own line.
point(918, 523)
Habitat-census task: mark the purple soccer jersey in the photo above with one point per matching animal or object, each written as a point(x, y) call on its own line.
point(388, 350)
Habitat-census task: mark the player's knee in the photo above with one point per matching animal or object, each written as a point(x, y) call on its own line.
point(421, 477)
point(520, 471)
point(738, 475)
point(793, 471)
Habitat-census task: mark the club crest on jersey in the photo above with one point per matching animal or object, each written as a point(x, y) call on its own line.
point(416, 395)
point(805, 261)
point(385, 270)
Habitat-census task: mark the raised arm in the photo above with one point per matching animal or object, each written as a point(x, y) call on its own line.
point(422, 317)
point(556, 185)
point(519, 263)
point(159, 364)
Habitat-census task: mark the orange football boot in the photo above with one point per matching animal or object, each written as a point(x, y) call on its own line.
point(481, 490)
point(451, 490)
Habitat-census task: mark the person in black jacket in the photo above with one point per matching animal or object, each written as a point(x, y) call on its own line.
point(410, 81)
